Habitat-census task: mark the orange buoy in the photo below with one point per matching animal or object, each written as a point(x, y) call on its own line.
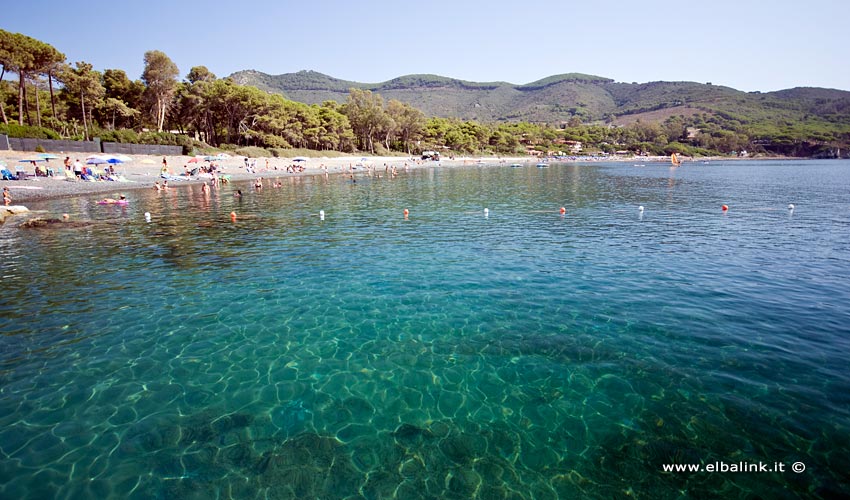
point(724, 208)
point(563, 210)
point(233, 216)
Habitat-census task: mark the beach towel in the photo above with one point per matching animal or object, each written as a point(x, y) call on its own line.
point(170, 177)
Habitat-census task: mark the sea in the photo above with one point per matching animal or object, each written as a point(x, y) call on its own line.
point(321, 344)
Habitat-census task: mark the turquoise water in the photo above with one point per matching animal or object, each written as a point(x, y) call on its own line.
point(522, 354)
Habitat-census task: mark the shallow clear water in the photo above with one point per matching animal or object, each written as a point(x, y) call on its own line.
point(522, 354)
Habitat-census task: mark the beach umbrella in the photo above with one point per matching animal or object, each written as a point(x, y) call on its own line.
point(194, 159)
point(30, 160)
point(124, 158)
point(299, 158)
point(96, 160)
point(48, 156)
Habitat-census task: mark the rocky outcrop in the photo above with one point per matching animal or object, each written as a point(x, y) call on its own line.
point(8, 210)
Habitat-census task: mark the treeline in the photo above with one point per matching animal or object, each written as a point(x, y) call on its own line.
point(53, 99)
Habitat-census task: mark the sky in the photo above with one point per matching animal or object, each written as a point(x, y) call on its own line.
point(750, 45)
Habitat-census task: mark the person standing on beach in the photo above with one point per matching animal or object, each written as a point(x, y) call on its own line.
point(7, 197)
point(78, 169)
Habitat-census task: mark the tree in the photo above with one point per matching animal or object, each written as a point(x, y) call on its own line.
point(118, 86)
point(16, 57)
point(409, 122)
point(82, 85)
point(365, 111)
point(200, 74)
point(28, 58)
point(116, 107)
point(48, 61)
point(337, 130)
point(160, 77)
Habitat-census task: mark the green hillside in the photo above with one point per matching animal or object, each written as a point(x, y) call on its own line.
point(590, 98)
point(308, 110)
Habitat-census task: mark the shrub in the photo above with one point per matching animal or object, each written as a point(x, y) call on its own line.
point(40, 149)
point(167, 139)
point(253, 152)
point(26, 131)
point(274, 141)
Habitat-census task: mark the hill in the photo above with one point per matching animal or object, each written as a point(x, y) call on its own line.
point(561, 97)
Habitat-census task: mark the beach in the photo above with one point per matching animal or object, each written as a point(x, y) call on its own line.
point(144, 170)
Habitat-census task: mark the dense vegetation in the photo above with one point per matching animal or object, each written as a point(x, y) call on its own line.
point(53, 99)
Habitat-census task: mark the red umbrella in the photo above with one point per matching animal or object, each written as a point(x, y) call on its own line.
point(194, 159)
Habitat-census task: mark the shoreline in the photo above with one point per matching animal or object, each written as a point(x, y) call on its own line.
point(141, 175)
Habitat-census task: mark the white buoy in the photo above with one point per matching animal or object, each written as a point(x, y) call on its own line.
point(147, 216)
point(321, 215)
point(640, 208)
point(486, 212)
point(790, 206)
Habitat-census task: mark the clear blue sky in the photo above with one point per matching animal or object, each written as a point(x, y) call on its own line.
point(745, 44)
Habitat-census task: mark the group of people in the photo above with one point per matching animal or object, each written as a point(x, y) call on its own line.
point(86, 173)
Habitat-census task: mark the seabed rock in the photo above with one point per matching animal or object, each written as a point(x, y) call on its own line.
point(8, 210)
point(39, 223)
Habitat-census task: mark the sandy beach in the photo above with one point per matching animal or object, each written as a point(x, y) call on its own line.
point(144, 170)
